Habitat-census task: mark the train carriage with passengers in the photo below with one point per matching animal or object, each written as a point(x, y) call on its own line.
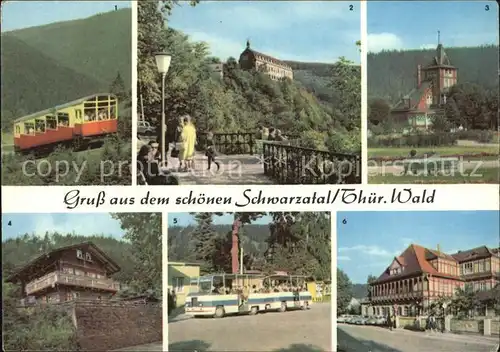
point(224, 294)
point(75, 123)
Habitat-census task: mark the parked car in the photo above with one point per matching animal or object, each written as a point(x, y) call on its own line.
point(144, 128)
point(381, 321)
point(342, 318)
point(371, 321)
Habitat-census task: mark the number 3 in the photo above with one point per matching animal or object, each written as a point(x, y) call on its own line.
point(486, 7)
point(351, 7)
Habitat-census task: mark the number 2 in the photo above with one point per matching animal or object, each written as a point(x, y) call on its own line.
point(351, 7)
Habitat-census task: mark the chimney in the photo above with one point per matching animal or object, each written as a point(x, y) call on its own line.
point(419, 76)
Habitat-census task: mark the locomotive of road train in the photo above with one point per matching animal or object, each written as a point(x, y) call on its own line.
point(75, 123)
point(220, 295)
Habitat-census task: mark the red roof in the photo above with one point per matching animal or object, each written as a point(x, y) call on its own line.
point(415, 261)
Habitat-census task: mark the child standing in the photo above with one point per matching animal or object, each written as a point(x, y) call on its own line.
point(210, 151)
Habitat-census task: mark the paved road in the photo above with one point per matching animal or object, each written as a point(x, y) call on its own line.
point(294, 331)
point(352, 338)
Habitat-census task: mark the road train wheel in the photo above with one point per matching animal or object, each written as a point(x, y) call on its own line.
point(282, 307)
point(254, 310)
point(219, 312)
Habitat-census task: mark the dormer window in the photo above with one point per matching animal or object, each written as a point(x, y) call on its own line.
point(79, 254)
point(88, 257)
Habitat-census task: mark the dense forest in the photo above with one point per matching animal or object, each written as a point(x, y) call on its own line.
point(394, 73)
point(48, 65)
point(48, 328)
point(296, 242)
point(322, 104)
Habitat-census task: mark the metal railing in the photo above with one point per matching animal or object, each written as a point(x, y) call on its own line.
point(230, 143)
point(291, 164)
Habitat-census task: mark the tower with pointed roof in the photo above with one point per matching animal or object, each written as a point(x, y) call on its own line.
point(428, 97)
point(441, 73)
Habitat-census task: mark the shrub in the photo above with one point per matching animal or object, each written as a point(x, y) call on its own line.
point(480, 136)
point(415, 140)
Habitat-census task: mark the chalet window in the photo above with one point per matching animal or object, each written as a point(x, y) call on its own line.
point(79, 254)
point(68, 270)
point(79, 272)
point(88, 257)
point(178, 284)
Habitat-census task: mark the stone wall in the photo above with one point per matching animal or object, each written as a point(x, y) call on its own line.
point(464, 326)
point(407, 321)
point(495, 327)
point(107, 326)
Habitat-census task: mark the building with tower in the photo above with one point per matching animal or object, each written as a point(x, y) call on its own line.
point(274, 68)
point(427, 99)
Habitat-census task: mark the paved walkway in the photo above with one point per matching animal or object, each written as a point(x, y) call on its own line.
point(234, 170)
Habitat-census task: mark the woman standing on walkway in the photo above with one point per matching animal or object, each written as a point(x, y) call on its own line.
point(188, 138)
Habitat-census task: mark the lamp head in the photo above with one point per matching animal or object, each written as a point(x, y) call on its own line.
point(163, 62)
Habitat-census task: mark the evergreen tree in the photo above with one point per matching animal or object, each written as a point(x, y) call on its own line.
point(118, 87)
point(203, 240)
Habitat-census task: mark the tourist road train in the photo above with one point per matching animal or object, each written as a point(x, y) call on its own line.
point(224, 294)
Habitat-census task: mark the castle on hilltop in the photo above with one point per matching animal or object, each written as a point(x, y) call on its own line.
point(274, 68)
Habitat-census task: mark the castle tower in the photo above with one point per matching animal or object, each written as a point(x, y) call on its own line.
point(442, 74)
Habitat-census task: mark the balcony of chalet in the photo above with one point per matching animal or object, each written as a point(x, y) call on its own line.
point(60, 278)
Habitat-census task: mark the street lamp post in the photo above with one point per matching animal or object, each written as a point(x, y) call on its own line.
point(163, 64)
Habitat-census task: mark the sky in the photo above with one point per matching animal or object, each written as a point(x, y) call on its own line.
point(185, 219)
point(414, 24)
point(377, 237)
point(23, 14)
point(15, 225)
point(315, 31)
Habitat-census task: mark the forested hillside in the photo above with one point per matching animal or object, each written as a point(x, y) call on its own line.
point(254, 240)
point(242, 100)
point(300, 243)
point(394, 73)
point(48, 65)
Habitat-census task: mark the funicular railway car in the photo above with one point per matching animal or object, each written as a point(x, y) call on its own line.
point(75, 123)
point(224, 294)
